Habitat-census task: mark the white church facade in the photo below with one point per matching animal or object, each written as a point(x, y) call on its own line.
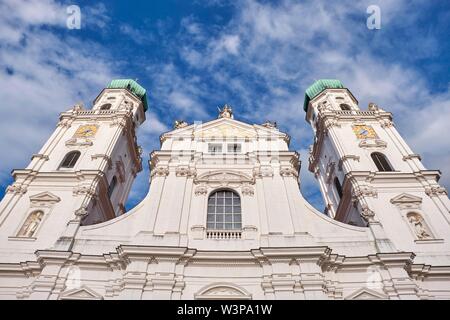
point(224, 217)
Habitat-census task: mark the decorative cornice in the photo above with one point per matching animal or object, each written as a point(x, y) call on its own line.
point(103, 156)
point(347, 157)
point(412, 156)
point(40, 156)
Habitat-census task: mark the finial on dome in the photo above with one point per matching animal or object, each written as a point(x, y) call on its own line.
point(226, 112)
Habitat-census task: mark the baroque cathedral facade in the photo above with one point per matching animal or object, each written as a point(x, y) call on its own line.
point(224, 217)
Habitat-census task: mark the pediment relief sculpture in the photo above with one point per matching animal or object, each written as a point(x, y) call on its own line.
point(224, 178)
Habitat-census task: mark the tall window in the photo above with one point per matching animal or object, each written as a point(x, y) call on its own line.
point(234, 148)
point(70, 159)
point(338, 186)
point(381, 162)
point(224, 211)
point(112, 185)
point(106, 106)
point(215, 148)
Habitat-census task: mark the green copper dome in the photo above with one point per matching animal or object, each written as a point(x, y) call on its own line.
point(317, 87)
point(133, 86)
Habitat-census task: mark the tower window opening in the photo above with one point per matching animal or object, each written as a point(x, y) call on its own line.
point(338, 187)
point(234, 148)
point(381, 162)
point(214, 148)
point(345, 107)
point(112, 186)
point(70, 159)
point(106, 106)
point(224, 211)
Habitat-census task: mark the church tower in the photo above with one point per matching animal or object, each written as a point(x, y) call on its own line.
point(83, 173)
point(369, 176)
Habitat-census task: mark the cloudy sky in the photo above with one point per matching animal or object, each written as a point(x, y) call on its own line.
point(191, 56)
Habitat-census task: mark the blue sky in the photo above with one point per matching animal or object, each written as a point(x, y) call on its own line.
point(191, 56)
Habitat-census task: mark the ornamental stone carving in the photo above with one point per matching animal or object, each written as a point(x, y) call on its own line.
point(31, 224)
point(81, 212)
point(288, 172)
point(201, 190)
point(222, 178)
point(386, 123)
point(367, 214)
point(365, 192)
point(373, 143)
point(84, 190)
point(16, 188)
point(247, 190)
point(184, 171)
point(263, 171)
point(75, 142)
point(435, 191)
point(419, 226)
point(160, 171)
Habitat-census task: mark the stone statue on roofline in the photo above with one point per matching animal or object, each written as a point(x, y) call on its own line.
point(180, 124)
point(226, 112)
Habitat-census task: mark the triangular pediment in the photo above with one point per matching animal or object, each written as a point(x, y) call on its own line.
point(224, 127)
point(82, 293)
point(366, 294)
point(45, 197)
point(406, 198)
point(224, 176)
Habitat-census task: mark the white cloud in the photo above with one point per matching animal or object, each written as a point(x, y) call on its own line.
point(42, 74)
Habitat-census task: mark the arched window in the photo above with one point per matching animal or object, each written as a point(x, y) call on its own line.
point(106, 106)
point(112, 185)
point(338, 186)
point(224, 211)
point(70, 159)
point(345, 107)
point(381, 162)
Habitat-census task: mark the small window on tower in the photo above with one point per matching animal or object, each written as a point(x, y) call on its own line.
point(214, 148)
point(234, 148)
point(112, 186)
point(70, 159)
point(345, 107)
point(106, 106)
point(381, 162)
point(338, 187)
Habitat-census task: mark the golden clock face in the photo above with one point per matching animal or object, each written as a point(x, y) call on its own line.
point(364, 132)
point(86, 131)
